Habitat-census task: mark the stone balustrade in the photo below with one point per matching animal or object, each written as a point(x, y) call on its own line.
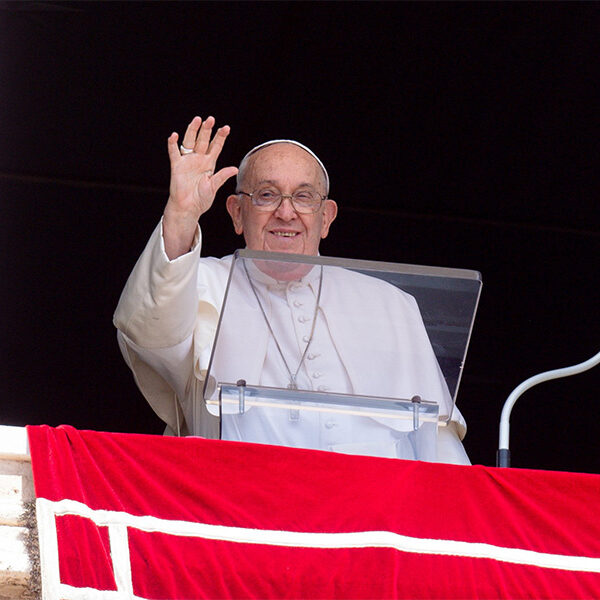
point(16, 498)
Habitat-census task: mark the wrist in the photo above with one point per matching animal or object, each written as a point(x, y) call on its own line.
point(179, 232)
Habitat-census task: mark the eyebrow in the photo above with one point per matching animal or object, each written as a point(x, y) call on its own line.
point(271, 182)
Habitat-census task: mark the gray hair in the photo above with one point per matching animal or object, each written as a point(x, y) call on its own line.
point(244, 164)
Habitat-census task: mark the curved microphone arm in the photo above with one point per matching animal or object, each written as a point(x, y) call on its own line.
point(503, 455)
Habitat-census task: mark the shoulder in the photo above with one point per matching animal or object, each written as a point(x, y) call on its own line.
point(213, 274)
point(216, 264)
point(367, 285)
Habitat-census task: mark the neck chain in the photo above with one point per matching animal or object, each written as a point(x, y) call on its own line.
point(292, 385)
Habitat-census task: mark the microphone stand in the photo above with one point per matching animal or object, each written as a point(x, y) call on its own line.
point(503, 454)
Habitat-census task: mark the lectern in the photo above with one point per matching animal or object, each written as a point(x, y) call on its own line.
point(360, 357)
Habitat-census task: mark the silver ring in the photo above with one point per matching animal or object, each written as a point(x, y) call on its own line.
point(185, 150)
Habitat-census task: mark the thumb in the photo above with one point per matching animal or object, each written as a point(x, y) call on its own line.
point(174, 153)
point(220, 177)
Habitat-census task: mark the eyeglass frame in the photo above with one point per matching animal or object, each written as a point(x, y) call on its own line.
point(281, 197)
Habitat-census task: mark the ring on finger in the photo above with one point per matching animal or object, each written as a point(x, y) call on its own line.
point(185, 150)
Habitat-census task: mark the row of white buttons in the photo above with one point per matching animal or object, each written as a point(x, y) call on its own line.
point(298, 303)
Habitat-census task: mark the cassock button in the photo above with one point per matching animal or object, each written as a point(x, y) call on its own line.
point(297, 303)
point(330, 424)
point(317, 374)
point(306, 338)
point(303, 318)
point(312, 355)
point(323, 388)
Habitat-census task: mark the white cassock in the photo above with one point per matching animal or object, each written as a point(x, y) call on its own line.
point(369, 339)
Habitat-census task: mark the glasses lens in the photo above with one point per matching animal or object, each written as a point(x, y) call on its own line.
point(306, 201)
point(266, 199)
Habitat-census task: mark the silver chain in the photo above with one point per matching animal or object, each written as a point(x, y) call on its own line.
point(292, 385)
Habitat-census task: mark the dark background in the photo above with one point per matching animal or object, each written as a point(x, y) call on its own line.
point(461, 135)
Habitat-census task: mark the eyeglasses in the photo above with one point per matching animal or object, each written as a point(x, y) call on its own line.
point(269, 199)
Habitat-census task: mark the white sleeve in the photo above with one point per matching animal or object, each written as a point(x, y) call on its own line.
point(157, 308)
point(162, 322)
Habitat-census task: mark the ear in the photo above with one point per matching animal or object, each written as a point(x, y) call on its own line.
point(234, 208)
point(330, 210)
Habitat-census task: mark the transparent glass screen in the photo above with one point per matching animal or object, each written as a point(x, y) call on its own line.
point(335, 354)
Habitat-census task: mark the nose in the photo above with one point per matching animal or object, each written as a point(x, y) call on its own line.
point(286, 211)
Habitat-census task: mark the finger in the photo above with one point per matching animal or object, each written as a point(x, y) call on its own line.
point(204, 135)
point(218, 141)
point(191, 133)
point(220, 177)
point(174, 153)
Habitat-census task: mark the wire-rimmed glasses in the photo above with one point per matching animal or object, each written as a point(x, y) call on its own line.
point(269, 199)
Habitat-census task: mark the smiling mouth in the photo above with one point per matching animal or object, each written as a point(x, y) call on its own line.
point(285, 233)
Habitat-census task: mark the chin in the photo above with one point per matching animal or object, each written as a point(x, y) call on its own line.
point(290, 246)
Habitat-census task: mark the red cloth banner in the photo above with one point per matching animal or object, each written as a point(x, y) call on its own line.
point(149, 517)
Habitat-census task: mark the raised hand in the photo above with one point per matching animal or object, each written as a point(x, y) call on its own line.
point(194, 182)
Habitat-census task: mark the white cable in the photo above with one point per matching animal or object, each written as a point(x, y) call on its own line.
point(529, 383)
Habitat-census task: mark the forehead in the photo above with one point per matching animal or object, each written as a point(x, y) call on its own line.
point(284, 164)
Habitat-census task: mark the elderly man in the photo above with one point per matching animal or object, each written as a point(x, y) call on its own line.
point(169, 308)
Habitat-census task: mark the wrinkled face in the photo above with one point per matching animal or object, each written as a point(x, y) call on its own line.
point(289, 169)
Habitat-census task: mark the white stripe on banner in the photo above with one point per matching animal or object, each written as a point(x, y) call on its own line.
point(119, 521)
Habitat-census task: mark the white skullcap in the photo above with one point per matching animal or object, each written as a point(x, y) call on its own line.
point(295, 143)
